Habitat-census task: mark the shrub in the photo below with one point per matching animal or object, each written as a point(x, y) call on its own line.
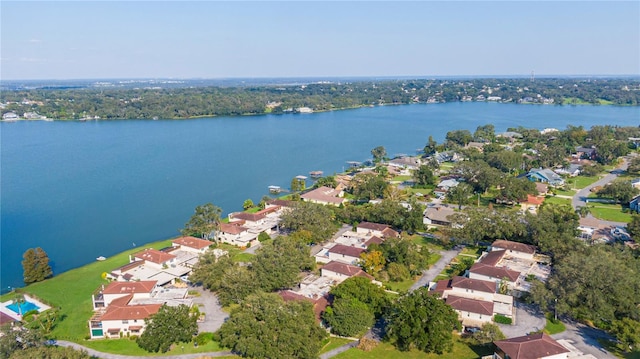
point(203, 338)
point(499, 318)
point(367, 344)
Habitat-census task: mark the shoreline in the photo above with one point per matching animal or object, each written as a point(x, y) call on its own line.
point(314, 111)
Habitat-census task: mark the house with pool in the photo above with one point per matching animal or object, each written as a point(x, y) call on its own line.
point(13, 310)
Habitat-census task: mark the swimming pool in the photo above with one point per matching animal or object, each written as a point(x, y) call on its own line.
point(23, 307)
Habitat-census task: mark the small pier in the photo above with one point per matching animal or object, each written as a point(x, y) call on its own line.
point(275, 189)
point(316, 174)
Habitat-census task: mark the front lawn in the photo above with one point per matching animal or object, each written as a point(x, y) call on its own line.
point(401, 286)
point(558, 200)
point(388, 351)
point(581, 182)
point(553, 328)
point(609, 212)
point(130, 347)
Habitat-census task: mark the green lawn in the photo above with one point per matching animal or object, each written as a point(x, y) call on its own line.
point(401, 286)
point(243, 257)
point(565, 193)
point(71, 291)
point(609, 212)
point(558, 200)
point(581, 182)
point(129, 347)
point(401, 178)
point(388, 351)
point(332, 343)
point(553, 328)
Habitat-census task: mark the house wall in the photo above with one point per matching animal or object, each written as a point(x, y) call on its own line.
point(510, 284)
point(343, 258)
point(462, 315)
point(338, 277)
point(470, 293)
point(122, 327)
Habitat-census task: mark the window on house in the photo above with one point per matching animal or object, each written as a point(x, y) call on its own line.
point(125, 322)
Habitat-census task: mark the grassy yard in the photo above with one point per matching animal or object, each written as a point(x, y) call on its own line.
point(129, 347)
point(401, 286)
point(332, 343)
point(388, 351)
point(609, 212)
point(566, 193)
point(553, 328)
point(581, 182)
point(71, 292)
point(558, 200)
point(401, 178)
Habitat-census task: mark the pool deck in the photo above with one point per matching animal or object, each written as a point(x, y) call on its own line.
point(16, 316)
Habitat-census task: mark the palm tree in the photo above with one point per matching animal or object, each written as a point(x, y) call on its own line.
point(583, 211)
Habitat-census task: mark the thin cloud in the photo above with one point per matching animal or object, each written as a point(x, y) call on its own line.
point(35, 41)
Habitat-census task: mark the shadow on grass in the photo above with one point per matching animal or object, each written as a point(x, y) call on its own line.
point(482, 349)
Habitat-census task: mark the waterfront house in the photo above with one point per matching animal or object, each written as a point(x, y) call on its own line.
point(324, 195)
point(236, 234)
point(192, 244)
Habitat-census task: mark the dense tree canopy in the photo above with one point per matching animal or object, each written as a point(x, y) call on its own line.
point(265, 326)
point(620, 190)
point(168, 326)
point(368, 186)
point(278, 264)
point(314, 218)
point(421, 321)
point(424, 176)
point(204, 223)
point(379, 153)
point(36, 266)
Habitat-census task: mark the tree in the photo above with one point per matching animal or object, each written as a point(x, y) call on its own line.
point(460, 194)
point(486, 133)
point(634, 166)
point(368, 186)
point(236, 284)
point(204, 223)
point(422, 321)
point(431, 147)
point(263, 236)
point(362, 289)
point(633, 227)
point(329, 181)
point(348, 317)
point(397, 272)
point(488, 334)
point(297, 184)
point(210, 269)
point(35, 264)
point(278, 264)
point(372, 261)
point(248, 203)
point(267, 327)
point(15, 338)
point(459, 137)
point(314, 218)
point(619, 190)
point(583, 211)
point(627, 331)
point(515, 189)
point(379, 153)
point(424, 176)
point(168, 326)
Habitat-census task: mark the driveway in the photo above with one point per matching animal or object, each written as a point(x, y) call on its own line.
point(208, 303)
point(528, 319)
point(584, 338)
point(579, 198)
point(430, 274)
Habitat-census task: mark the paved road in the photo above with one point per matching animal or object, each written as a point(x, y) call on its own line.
point(430, 274)
point(102, 355)
point(584, 338)
point(578, 199)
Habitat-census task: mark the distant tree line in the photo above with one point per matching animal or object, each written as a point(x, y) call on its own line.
point(175, 103)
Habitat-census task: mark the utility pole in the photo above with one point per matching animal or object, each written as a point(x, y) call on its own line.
point(555, 310)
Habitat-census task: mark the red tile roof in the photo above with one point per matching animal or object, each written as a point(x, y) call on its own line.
point(129, 287)
point(495, 272)
point(492, 258)
point(533, 200)
point(323, 194)
point(345, 269)
point(441, 286)
point(534, 346)
point(232, 228)
point(192, 242)
point(514, 246)
point(130, 312)
point(5, 318)
point(154, 256)
point(346, 250)
point(319, 304)
point(254, 217)
point(473, 284)
point(470, 305)
point(373, 226)
point(390, 233)
point(373, 240)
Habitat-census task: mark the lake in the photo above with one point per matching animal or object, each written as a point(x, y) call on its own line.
point(81, 190)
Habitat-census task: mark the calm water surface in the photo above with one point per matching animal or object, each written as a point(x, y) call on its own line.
point(81, 190)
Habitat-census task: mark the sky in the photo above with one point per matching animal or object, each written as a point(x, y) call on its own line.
point(216, 39)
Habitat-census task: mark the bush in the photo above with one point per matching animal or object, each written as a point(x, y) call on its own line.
point(499, 318)
point(203, 338)
point(263, 237)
